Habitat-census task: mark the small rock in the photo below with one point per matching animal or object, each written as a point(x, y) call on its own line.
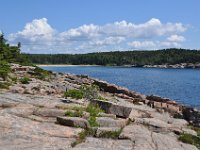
point(73, 122)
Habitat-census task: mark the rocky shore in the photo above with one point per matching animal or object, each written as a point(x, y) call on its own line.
point(181, 66)
point(36, 115)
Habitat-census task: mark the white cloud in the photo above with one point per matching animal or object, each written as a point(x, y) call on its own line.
point(142, 45)
point(39, 37)
point(37, 30)
point(152, 45)
point(176, 38)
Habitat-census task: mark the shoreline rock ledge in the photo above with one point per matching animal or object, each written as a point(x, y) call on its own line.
point(36, 115)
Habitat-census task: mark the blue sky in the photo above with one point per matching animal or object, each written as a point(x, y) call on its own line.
point(82, 26)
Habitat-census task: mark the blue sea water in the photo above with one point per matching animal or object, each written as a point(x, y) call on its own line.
point(181, 85)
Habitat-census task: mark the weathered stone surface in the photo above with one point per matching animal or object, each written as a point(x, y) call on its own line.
point(110, 122)
point(22, 133)
point(140, 136)
point(106, 130)
point(169, 141)
point(107, 115)
point(138, 114)
point(152, 122)
point(145, 139)
point(112, 88)
point(46, 112)
point(17, 89)
point(108, 107)
point(73, 122)
point(104, 144)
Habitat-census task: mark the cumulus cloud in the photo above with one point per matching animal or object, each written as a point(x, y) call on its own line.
point(142, 45)
point(35, 31)
point(176, 38)
point(39, 37)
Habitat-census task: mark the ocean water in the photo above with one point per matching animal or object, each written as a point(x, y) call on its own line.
point(181, 85)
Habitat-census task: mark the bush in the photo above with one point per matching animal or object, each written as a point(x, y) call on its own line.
point(25, 80)
point(4, 69)
point(74, 93)
point(90, 91)
point(85, 91)
point(42, 74)
point(76, 113)
point(5, 85)
point(94, 111)
point(111, 134)
point(82, 136)
point(198, 132)
point(190, 139)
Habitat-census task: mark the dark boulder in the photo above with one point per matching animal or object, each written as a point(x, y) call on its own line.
point(111, 108)
point(192, 115)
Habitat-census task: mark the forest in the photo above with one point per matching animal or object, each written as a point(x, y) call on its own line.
point(137, 58)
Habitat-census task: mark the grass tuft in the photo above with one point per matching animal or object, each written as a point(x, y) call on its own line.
point(190, 139)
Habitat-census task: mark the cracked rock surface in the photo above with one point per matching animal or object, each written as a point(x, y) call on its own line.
point(25, 125)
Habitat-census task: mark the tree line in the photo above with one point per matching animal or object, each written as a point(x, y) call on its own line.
point(138, 58)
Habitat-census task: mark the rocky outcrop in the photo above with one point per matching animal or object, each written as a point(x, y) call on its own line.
point(145, 139)
point(181, 66)
point(32, 117)
point(111, 108)
point(164, 103)
point(112, 88)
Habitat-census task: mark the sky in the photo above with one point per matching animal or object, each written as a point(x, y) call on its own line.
point(85, 26)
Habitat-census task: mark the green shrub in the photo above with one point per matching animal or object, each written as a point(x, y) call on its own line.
point(82, 136)
point(74, 93)
point(190, 139)
point(111, 134)
point(76, 113)
point(14, 79)
point(93, 122)
point(85, 91)
point(198, 132)
point(102, 98)
point(4, 85)
point(89, 91)
point(93, 110)
point(42, 74)
point(25, 80)
point(4, 69)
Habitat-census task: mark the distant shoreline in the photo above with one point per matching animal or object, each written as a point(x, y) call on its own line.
point(165, 66)
point(61, 65)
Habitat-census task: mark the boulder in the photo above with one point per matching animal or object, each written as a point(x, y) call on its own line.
point(73, 122)
point(111, 108)
point(192, 115)
point(110, 122)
